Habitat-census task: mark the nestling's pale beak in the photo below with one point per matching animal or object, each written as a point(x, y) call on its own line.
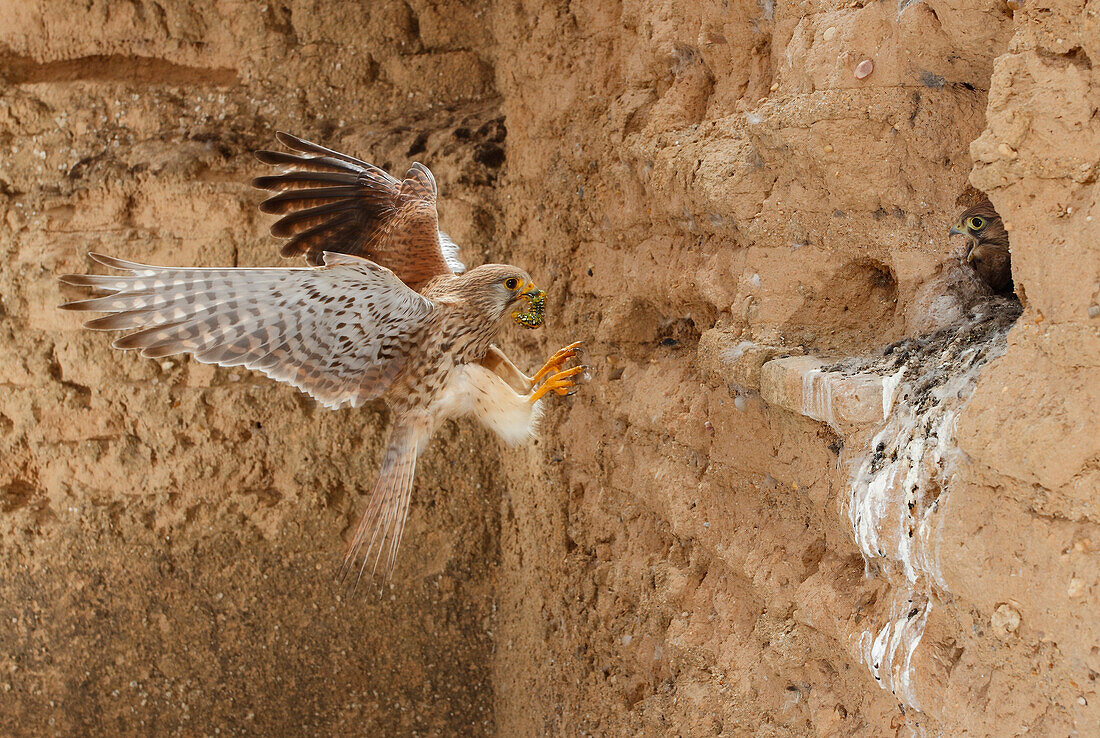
point(959, 230)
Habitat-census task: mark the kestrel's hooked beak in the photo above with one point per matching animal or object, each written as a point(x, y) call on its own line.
point(530, 291)
point(959, 230)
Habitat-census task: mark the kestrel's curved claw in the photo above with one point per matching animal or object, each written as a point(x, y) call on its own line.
point(561, 383)
point(554, 363)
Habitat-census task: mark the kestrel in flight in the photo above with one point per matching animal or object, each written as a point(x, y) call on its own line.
point(385, 311)
point(988, 253)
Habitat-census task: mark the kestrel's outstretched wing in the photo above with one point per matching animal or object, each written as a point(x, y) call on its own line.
point(334, 202)
point(340, 332)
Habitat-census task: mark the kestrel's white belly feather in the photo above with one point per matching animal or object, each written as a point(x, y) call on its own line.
point(474, 390)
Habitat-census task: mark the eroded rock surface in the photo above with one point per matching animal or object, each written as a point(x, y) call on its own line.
point(704, 188)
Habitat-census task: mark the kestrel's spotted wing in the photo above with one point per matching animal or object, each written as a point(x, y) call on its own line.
point(340, 332)
point(334, 202)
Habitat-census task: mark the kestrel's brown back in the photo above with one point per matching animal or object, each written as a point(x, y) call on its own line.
point(334, 202)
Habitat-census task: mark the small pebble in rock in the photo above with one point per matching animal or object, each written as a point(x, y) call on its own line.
point(830, 33)
point(828, 148)
point(1005, 620)
point(775, 86)
point(864, 69)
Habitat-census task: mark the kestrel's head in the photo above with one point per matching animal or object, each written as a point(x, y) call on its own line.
point(498, 288)
point(983, 227)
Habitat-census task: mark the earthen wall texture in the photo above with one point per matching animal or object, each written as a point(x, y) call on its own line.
point(671, 557)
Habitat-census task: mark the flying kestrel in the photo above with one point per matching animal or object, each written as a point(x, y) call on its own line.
point(385, 311)
point(988, 253)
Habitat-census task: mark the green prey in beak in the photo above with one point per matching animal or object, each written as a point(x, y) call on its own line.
point(533, 315)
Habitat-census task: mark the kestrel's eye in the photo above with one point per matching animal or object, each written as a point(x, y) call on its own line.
point(975, 223)
point(511, 283)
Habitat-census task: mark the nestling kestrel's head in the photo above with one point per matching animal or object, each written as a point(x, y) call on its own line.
point(988, 253)
point(497, 288)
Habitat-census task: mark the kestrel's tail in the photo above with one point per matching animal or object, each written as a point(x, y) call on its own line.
point(379, 533)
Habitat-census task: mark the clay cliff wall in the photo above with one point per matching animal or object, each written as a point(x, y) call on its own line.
point(703, 188)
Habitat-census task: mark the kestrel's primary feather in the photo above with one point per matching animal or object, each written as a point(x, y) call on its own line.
point(385, 311)
point(333, 202)
point(337, 332)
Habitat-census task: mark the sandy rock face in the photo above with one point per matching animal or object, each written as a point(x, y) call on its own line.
point(170, 530)
point(705, 189)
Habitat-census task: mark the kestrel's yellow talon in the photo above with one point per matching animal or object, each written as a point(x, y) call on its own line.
point(561, 381)
point(552, 364)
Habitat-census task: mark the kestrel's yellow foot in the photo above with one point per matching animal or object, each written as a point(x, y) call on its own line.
point(554, 363)
point(561, 383)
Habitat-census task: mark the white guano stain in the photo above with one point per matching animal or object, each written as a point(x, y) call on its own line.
point(902, 480)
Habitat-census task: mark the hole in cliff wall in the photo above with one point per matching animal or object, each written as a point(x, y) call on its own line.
point(855, 309)
point(978, 269)
point(112, 68)
point(678, 333)
point(638, 327)
point(15, 495)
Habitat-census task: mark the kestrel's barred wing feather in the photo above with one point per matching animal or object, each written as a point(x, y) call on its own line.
point(450, 253)
point(339, 332)
point(334, 202)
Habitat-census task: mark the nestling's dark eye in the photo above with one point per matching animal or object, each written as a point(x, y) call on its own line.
point(511, 283)
point(975, 222)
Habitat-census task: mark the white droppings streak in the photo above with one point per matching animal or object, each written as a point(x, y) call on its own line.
point(890, 391)
point(902, 479)
point(889, 653)
point(817, 396)
point(899, 486)
point(734, 353)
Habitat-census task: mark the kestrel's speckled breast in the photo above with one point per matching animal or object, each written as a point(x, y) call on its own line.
point(456, 334)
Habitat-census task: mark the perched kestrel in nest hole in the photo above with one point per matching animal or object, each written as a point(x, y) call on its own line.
point(385, 311)
point(988, 253)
